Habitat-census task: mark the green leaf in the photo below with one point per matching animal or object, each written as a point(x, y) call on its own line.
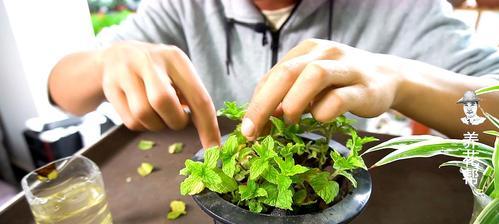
point(177, 209)
point(251, 190)
point(487, 90)
point(229, 165)
point(145, 145)
point(210, 177)
point(324, 187)
point(258, 166)
point(272, 194)
point(191, 185)
point(284, 199)
point(255, 206)
point(349, 176)
point(226, 184)
point(271, 175)
point(145, 169)
point(230, 146)
point(492, 132)
point(460, 164)
point(176, 147)
point(492, 119)
point(300, 196)
point(248, 191)
point(194, 167)
point(489, 214)
point(400, 142)
point(211, 157)
point(449, 147)
point(279, 126)
point(495, 162)
point(232, 111)
point(266, 148)
point(288, 167)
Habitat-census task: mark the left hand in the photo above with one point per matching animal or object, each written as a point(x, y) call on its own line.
point(327, 79)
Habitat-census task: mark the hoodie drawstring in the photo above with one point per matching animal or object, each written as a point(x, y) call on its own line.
point(260, 28)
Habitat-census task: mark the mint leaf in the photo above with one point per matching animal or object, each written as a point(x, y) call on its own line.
point(232, 111)
point(230, 146)
point(288, 167)
point(194, 167)
point(272, 194)
point(177, 209)
point(265, 149)
point(191, 185)
point(210, 177)
point(145, 145)
point(357, 162)
point(340, 162)
point(284, 199)
point(228, 155)
point(271, 175)
point(300, 196)
point(251, 190)
point(255, 206)
point(211, 157)
point(229, 165)
point(248, 191)
point(258, 166)
point(349, 176)
point(325, 188)
point(226, 184)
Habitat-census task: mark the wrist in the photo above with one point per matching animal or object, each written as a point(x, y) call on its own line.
point(399, 70)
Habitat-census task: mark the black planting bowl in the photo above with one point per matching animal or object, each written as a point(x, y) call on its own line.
point(344, 211)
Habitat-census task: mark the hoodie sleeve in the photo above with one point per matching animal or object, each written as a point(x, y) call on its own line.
point(435, 37)
point(156, 21)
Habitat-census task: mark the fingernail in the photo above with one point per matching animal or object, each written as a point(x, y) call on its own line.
point(248, 128)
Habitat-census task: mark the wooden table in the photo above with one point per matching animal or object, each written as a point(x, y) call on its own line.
point(411, 191)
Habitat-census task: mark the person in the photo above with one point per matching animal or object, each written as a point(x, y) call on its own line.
point(470, 107)
point(284, 57)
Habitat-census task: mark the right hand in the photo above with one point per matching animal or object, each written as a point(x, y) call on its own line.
point(151, 85)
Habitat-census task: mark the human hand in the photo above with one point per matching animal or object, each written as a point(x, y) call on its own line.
point(151, 86)
point(327, 79)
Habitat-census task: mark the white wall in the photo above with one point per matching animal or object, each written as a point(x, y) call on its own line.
point(35, 34)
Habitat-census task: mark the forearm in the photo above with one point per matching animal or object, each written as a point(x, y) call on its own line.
point(429, 94)
point(75, 83)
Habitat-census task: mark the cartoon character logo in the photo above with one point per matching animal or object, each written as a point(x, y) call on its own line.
point(470, 107)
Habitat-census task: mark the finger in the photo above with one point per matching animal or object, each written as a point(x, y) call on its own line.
point(163, 98)
point(329, 50)
point(135, 93)
point(117, 98)
point(183, 75)
point(272, 92)
point(316, 77)
point(339, 101)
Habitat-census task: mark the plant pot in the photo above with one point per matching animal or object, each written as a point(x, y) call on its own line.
point(344, 211)
point(480, 200)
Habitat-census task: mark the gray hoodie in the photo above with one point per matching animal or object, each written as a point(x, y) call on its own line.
point(231, 47)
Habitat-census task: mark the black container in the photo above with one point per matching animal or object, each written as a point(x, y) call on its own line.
point(223, 211)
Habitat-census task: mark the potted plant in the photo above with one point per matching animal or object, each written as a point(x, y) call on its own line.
point(486, 165)
point(288, 175)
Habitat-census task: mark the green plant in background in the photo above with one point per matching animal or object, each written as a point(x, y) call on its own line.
point(280, 169)
point(99, 21)
point(428, 146)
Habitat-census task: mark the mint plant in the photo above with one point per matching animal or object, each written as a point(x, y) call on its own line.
point(280, 169)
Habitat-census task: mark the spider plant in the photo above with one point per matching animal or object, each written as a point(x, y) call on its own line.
point(486, 156)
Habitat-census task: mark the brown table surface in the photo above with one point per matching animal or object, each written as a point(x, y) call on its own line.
point(411, 191)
